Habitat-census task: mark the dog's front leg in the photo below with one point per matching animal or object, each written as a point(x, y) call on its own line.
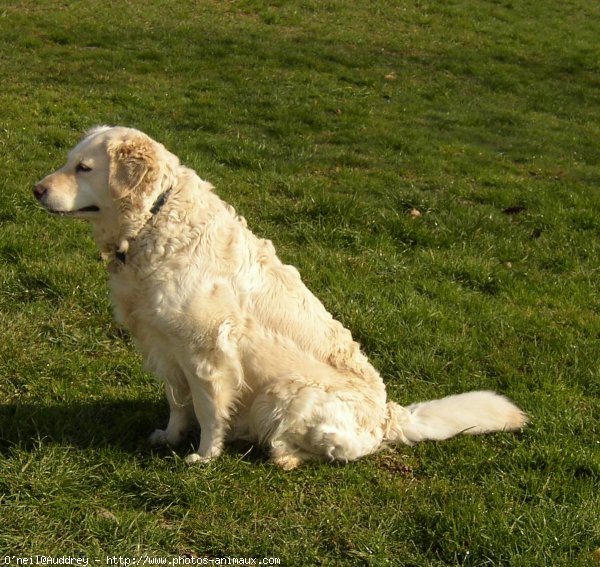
point(181, 414)
point(212, 406)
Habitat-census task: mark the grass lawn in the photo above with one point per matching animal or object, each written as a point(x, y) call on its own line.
point(326, 124)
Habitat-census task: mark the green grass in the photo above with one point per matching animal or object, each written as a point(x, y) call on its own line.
point(324, 123)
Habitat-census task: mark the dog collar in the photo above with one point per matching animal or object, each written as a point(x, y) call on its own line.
point(121, 257)
point(160, 201)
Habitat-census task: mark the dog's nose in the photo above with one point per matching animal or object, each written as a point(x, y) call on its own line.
point(39, 191)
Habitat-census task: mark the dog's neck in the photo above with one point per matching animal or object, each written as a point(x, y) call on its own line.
point(118, 258)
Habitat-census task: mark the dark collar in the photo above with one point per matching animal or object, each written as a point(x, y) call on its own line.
point(160, 201)
point(121, 257)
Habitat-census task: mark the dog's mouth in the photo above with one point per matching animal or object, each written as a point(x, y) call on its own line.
point(82, 211)
point(89, 209)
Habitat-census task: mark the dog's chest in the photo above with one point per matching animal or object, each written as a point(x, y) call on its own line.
point(141, 305)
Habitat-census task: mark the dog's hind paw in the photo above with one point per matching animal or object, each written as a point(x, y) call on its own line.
point(287, 462)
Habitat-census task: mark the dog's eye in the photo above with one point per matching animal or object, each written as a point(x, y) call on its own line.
point(81, 167)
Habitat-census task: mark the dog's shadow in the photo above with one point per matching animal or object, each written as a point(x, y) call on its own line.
point(121, 424)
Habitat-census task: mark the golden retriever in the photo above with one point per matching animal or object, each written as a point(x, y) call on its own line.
point(241, 344)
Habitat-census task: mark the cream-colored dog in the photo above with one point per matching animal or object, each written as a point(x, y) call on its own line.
point(242, 345)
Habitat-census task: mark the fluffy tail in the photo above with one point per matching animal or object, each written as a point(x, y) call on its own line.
point(472, 413)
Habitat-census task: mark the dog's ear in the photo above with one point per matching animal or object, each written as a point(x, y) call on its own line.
point(133, 166)
point(133, 174)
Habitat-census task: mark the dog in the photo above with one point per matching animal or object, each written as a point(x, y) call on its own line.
point(244, 349)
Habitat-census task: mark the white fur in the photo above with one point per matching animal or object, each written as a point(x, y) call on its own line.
point(243, 347)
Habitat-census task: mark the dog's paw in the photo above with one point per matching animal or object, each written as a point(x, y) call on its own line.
point(287, 462)
point(160, 438)
point(196, 459)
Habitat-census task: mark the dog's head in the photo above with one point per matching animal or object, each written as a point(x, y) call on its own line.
point(111, 177)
